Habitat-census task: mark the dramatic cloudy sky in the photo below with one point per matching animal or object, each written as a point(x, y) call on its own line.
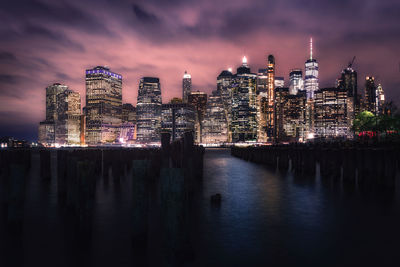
point(47, 41)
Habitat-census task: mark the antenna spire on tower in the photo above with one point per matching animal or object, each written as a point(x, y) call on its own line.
point(311, 48)
point(244, 61)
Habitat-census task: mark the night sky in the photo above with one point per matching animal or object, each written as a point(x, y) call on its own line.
point(43, 42)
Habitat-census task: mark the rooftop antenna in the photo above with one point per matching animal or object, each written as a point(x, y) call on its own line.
point(311, 48)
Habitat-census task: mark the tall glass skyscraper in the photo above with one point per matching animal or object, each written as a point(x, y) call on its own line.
point(68, 124)
point(296, 82)
point(244, 108)
point(198, 100)
point(270, 127)
point(51, 100)
point(63, 117)
point(311, 76)
point(186, 86)
point(103, 105)
point(262, 105)
point(348, 82)
point(370, 94)
point(224, 87)
point(177, 118)
point(215, 127)
point(148, 110)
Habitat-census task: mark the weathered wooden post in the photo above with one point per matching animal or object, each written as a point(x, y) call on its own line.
point(45, 167)
point(174, 215)
point(140, 198)
point(166, 149)
point(86, 187)
point(62, 175)
point(72, 181)
point(390, 158)
point(348, 165)
point(308, 155)
point(116, 165)
point(16, 195)
point(283, 161)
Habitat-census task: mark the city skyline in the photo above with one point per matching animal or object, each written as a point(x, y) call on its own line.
point(199, 39)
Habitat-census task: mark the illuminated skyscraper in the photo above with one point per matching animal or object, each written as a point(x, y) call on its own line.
point(279, 82)
point(370, 94)
point(103, 105)
point(128, 130)
point(333, 110)
point(262, 105)
point(380, 99)
point(290, 115)
point(51, 100)
point(215, 127)
point(63, 117)
point(296, 82)
point(270, 127)
point(224, 87)
point(348, 82)
point(148, 110)
point(311, 76)
point(177, 118)
point(186, 86)
point(198, 100)
point(68, 123)
point(244, 107)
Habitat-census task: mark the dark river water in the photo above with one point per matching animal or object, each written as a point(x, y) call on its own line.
point(265, 219)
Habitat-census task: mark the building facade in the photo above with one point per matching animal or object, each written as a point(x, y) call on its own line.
point(279, 82)
point(333, 113)
point(186, 86)
point(291, 115)
point(348, 82)
point(296, 82)
point(128, 129)
point(148, 110)
point(244, 106)
point(215, 124)
point(198, 100)
point(68, 123)
point(103, 105)
point(271, 125)
point(311, 83)
point(224, 87)
point(380, 99)
point(178, 118)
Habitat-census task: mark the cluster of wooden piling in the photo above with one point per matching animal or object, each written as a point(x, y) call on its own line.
point(182, 167)
point(173, 171)
point(353, 163)
point(14, 168)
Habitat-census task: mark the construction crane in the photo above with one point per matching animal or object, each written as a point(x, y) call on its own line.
point(352, 62)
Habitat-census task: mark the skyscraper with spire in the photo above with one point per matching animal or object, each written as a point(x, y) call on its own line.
point(311, 74)
point(186, 86)
point(270, 127)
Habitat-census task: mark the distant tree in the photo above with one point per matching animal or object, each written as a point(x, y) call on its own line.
point(364, 121)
